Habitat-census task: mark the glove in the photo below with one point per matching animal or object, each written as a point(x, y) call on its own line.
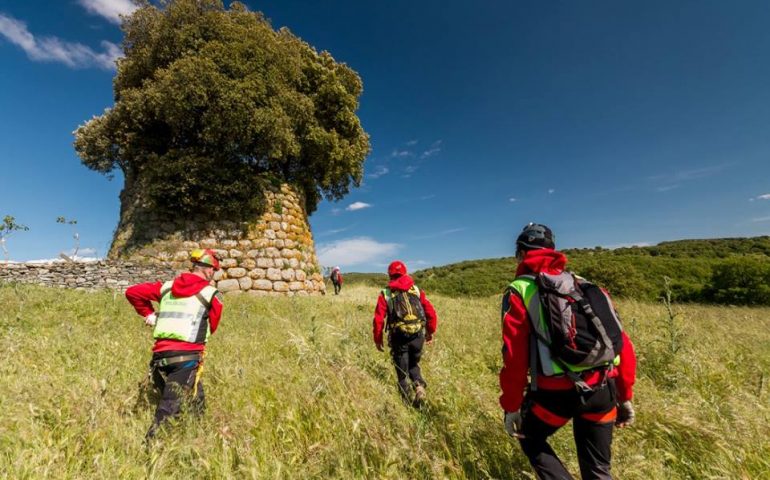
point(626, 414)
point(150, 319)
point(512, 421)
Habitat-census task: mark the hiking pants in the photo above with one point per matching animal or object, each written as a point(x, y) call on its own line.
point(337, 287)
point(175, 383)
point(593, 415)
point(406, 351)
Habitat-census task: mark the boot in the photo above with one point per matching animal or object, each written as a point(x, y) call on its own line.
point(419, 396)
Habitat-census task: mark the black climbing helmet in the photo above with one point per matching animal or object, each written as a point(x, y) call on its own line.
point(534, 236)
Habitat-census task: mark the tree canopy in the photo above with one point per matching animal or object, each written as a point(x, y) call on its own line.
point(210, 101)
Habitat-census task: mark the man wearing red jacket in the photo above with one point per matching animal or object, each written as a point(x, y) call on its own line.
point(554, 400)
point(189, 311)
point(404, 310)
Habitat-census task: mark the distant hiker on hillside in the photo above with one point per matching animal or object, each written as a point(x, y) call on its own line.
point(404, 311)
point(566, 333)
point(188, 313)
point(336, 277)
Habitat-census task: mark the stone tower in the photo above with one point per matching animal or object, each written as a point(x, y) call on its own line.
point(272, 255)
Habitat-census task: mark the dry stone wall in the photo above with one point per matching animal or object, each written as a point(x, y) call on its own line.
point(273, 255)
point(85, 276)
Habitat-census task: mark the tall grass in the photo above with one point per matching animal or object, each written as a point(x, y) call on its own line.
point(295, 389)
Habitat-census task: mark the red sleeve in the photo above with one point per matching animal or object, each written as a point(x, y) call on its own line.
point(378, 324)
point(339, 278)
point(141, 296)
point(626, 371)
point(215, 314)
point(430, 314)
point(513, 375)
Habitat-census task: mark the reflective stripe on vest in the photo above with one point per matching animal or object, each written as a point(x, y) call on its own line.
point(184, 318)
point(527, 289)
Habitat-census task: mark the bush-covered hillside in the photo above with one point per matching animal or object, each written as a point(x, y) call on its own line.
point(727, 271)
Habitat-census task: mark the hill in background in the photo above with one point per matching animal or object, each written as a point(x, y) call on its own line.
point(726, 271)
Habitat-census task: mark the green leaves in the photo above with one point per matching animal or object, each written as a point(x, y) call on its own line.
point(202, 85)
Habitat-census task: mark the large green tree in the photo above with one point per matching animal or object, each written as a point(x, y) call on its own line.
point(210, 101)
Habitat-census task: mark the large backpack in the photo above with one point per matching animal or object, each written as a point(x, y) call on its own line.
point(405, 311)
point(575, 321)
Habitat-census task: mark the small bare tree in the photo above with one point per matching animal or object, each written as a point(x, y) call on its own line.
point(7, 228)
point(75, 236)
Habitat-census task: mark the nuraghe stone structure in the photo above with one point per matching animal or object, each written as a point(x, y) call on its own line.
point(271, 255)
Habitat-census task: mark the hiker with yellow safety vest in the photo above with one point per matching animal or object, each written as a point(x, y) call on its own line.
point(563, 331)
point(410, 319)
point(189, 311)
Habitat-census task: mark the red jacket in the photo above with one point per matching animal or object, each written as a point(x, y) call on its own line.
point(403, 283)
point(142, 295)
point(516, 332)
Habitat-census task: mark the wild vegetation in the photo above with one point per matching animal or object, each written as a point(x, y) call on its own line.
point(726, 271)
point(296, 389)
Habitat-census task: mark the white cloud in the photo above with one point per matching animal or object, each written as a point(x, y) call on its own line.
point(760, 219)
point(627, 245)
point(109, 9)
point(434, 149)
point(512, 199)
point(355, 251)
point(666, 188)
point(551, 191)
point(442, 233)
point(53, 49)
point(357, 206)
point(765, 196)
point(411, 143)
point(428, 197)
point(401, 153)
point(332, 232)
point(379, 171)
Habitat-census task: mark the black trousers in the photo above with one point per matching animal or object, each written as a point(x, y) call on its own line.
point(406, 351)
point(175, 384)
point(337, 287)
point(593, 416)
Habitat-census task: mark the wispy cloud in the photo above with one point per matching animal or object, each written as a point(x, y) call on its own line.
point(401, 153)
point(53, 49)
point(433, 150)
point(442, 233)
point(334, 231)
point(761, 219)
point(666, 188)
point(628, 245)
point(355, 251)
point(109, 9)
point(379, 171)
point(673, 179)
point(551, 191)
point(357, 206)
point(512, 199)
point(411, 143)
point(765, 196)
point(428, 197)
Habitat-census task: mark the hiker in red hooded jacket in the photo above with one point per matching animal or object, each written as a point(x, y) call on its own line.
point(189, 311)
point(410, 319)
point(534, 416)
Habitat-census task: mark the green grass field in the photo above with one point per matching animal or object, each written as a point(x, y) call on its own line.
point(295, 389)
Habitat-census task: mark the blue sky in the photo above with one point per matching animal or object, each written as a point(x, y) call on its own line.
point(614, 123)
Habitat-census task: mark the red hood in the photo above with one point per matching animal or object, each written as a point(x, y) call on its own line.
point(542, 260)
point(404, 283)
point(187, 285)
